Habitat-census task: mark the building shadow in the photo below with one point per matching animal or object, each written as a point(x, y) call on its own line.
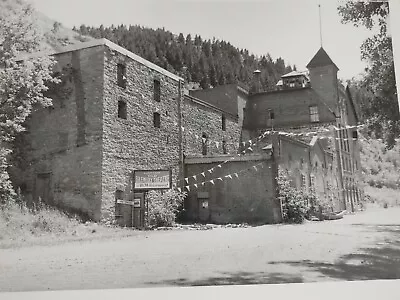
point(380, 261)
point(239, 278)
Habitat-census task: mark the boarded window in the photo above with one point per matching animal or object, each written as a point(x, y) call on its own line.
point(223, 123)
point(122, 109)
point(314, 116)
point(121, 75)
point(157, 90)
point(156, 120)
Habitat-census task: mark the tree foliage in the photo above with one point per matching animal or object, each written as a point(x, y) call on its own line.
point(22, 80)
point(378, 87)
point(207, 62)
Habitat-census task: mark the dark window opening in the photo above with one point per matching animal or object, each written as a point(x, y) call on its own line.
point(223, 123)
point(121, 75)
point(355, 134)
point(204, 144)
point(157, 90)
point(156, 120)
point(119, 195)
point(224, 150)
point(122, 109)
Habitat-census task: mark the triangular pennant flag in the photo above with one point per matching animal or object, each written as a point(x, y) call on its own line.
point(179, 190)
point(226, 176)
point(236, 174)
point(217, 144)
point(188, 188)
point(202, 183)
point(251, 142)
point(243, 143)
point(187, 180)
point(255, 168)
point(203, 139)
point(251, 149)
point(230, 176)
point(204, 174)
point(194, 176)
point(219, 166)
point(195, 185)
point(219, 178)
point(212, 181)
point(196, 136)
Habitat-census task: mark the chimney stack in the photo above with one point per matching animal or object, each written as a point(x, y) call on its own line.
point(256, 86)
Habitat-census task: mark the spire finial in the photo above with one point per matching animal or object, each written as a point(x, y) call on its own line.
point(320, 24)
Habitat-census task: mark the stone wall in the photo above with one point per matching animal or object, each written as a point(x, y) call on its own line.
point(134, 143)
point(199, 119)
point(249, 198)
point(64, 141)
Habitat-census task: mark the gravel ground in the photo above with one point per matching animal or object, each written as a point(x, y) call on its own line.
point(358, 247)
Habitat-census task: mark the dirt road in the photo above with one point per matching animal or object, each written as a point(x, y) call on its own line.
point(358, 247)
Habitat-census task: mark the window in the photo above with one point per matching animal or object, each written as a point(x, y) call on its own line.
point(157, 90)
point(204, 144)
point(121, 75)
point(355, 134)
point(223, 123)
point(303, 181)
point(122, 109)
point(224, 150)
point(156, 120)
point(314, 117)
point(312, 183)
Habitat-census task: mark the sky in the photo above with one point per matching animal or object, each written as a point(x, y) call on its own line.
point(283, 28)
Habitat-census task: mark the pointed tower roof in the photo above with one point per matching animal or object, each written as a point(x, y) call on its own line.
point(320, 59)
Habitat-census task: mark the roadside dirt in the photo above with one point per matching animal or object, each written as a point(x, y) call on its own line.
point(359, 247)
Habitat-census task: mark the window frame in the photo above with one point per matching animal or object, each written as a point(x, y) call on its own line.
point(314, 114)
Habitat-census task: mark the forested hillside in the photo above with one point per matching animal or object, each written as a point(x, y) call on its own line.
point(207, 62)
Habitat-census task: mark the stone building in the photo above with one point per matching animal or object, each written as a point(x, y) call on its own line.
point(119, 113)
point(115, 113)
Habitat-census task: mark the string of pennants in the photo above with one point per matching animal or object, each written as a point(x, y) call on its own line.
point(253, 142)
point(214, 180)
point(312, 133)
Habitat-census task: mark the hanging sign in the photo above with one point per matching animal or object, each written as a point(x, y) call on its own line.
point(152, 179)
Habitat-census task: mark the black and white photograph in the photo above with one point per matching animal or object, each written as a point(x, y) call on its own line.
point(170, 144)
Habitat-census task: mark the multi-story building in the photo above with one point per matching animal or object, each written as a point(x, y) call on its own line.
point(306, 106)
point(115, 113)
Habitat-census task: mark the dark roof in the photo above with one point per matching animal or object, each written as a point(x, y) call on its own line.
point(320, 59)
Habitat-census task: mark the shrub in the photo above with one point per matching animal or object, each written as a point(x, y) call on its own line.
point(164, 207)
point(294, 201)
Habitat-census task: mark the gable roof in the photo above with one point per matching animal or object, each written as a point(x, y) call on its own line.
point(111, 45)
point(320, 59)
point(294, 74)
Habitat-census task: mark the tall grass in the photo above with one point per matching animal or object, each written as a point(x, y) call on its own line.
point(22, 226)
